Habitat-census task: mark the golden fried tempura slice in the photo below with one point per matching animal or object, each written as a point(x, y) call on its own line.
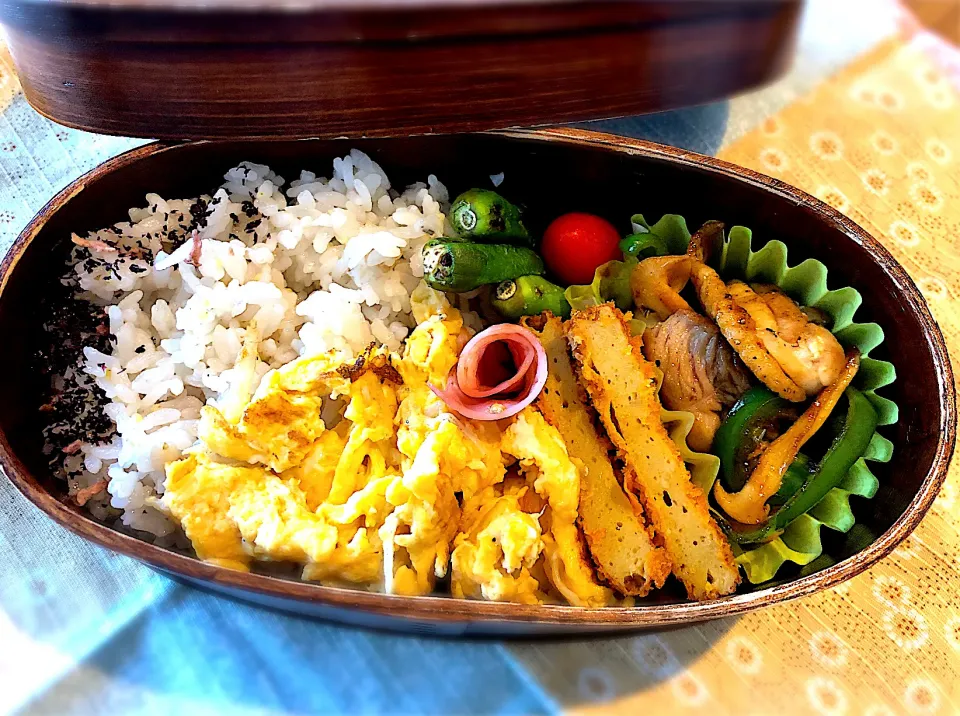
point(619, 541)
point(623, 389)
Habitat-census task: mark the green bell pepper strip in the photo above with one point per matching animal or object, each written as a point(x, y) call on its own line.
point(643, 245)
point(794, 479)
point(847, 447)
point(741, 431)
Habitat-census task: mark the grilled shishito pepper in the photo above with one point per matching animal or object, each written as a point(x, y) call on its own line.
point(451, 265)
point(485, 216)
point(849, 444)
point(530, 296)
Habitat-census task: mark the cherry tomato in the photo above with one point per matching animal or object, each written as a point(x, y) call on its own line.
point(574, 245)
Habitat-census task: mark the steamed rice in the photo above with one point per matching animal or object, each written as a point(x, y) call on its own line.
point(313, 266)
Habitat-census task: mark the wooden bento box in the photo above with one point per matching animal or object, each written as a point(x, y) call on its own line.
point(294, 85)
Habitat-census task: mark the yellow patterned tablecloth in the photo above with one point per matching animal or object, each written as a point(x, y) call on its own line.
point(881, 143)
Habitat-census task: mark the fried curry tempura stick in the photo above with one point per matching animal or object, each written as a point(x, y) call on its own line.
point(617, 536)
point(622, 386)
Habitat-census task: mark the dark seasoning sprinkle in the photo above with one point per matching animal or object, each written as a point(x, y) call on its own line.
point(76, 411)
point(249, 210)
point(73, 406)
point(198, 216)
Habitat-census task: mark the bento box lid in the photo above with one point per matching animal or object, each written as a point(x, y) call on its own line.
point(180, 69)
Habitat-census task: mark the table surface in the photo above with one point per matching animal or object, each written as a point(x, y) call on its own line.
point(86, 631)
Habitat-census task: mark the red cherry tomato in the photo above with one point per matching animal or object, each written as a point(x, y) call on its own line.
point(574, 245)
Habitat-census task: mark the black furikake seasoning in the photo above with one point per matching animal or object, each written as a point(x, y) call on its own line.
point(73, 407)
point(198, 215)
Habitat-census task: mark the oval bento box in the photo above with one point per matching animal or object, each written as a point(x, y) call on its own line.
point(559, 169)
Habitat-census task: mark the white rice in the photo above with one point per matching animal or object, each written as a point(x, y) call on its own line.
point(329, 266)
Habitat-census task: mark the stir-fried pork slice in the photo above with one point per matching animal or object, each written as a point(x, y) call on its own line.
point(807, 352)
point(701, 373)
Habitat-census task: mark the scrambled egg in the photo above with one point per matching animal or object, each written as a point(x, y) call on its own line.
point(280, 425)
point(497, 551)
point(441, 456)
point(544, 460)
point(315, 474)
point(431, 350)
point(376, 499)
point(234, 514)
point(368, 452)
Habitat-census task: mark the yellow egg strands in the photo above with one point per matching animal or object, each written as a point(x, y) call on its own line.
point(800, 542)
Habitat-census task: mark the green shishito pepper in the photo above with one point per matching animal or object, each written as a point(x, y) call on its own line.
point(848, 445)
point(529, 296)
point(643, 245)
point(451, 265)
point(485, 216)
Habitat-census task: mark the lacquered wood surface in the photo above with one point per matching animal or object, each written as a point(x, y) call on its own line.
point(549, 171)
point(323, 68)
